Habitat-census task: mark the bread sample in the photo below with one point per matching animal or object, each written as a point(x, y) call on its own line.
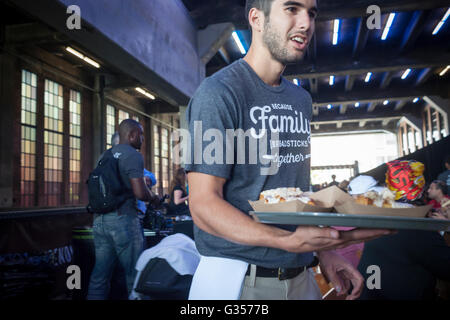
point(362, 199)
point(383, 198)
point(280, 195)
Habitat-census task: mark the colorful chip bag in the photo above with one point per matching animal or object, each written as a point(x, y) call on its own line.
point(405, 179)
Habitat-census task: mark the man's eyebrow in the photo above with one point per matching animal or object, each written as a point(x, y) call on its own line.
point(299, 4)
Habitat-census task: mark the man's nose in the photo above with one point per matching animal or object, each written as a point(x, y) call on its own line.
point(303, 22)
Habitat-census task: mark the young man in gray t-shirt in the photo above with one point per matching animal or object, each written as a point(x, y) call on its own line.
point(251, 99)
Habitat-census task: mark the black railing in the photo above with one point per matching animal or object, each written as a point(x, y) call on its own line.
point(32, 213)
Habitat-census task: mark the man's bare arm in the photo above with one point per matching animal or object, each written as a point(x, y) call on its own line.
point(214, 215)
point(141, 191)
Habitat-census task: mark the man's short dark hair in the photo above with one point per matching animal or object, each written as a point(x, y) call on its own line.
point(126, 127)
point(447, 159)
point(263, 5)
point(441, 185)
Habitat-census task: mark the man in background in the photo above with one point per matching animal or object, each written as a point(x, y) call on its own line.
point(334, 182)
point(118, 235)
point(445, 176)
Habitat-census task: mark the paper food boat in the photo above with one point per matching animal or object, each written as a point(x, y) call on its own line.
point(333, 199)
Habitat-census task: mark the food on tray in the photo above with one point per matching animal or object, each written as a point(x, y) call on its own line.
point(382, 197)
point(280, 195)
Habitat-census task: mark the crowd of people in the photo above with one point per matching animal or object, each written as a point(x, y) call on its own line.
point(414, 264)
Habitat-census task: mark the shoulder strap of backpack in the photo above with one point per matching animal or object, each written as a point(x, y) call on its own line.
point(128, 194)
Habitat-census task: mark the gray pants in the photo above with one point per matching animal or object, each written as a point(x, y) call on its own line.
point(302, 287)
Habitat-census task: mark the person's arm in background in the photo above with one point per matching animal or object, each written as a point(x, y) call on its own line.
point(141, 191)
point(178, 197)
point(133, 166)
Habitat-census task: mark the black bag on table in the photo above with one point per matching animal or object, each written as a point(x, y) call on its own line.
point(106, 189)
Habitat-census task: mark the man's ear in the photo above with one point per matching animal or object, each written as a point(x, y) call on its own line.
point(132, 135)
point(256, 19)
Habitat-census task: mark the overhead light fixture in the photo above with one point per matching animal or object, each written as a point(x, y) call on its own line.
point(441, 23)
point(357, 104)
point(296, 82)
point(239, 43)
point(369, 74)
point(331, 80)
point(336, 32)
point(444, 71)
point(145, 93)
point(415, 100)
point(83, 57)
point(386, 102)
point(405, 74)
point(329, 106)
point(388, 26)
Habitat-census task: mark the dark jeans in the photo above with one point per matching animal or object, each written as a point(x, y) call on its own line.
point(117, 238)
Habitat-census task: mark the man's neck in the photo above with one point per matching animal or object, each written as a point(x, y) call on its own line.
point(268, 69)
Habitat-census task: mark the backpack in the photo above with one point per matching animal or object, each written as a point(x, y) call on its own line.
point(106, 189)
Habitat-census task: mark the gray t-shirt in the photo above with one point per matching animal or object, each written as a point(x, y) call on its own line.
point(236, 98)
point(131, 165)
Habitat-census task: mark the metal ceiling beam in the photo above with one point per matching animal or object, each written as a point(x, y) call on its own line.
point(225, 55)
point(312, 50)
point(361, 37)
point(423, 76)
point(367, 95)
point(314, 85)
point(233, 11)
point(357, 119)
point(330, 9)
point(349, 81)
point(371, 106)
point(211, 39)
point(352, 128)
point(315, 110)
point(414, 29)
point(342, 108)
point(375, 63)
point(387, 78)
point(32, 34)
point(400, 104)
